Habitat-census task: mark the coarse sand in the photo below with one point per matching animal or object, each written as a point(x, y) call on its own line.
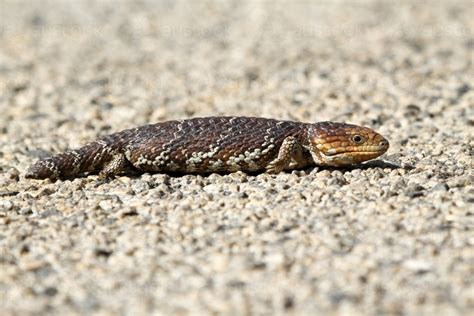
point(393, 236)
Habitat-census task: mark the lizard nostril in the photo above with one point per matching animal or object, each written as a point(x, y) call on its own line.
point(383, 143)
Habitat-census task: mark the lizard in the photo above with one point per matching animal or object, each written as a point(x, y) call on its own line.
point(220, 144)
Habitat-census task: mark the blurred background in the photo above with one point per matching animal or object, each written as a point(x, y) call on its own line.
point(145, 61)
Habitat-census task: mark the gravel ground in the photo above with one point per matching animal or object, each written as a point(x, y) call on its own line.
point(393, 236)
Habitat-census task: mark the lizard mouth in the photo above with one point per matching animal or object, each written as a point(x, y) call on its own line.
point(367, 152)
point(373, 150)
point(354, 153)
point(351, 157)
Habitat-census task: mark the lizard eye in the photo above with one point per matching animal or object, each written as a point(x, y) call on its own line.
point(358, 139)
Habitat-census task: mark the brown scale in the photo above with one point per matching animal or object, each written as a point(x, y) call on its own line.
point(232, 137)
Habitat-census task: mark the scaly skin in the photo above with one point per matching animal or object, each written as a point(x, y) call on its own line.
point(217, 144)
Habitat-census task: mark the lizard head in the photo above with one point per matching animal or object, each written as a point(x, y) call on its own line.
point(339, 144)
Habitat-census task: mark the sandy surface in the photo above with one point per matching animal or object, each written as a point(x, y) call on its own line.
point(372, 239)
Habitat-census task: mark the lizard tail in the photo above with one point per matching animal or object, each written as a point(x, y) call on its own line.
point(68, 163)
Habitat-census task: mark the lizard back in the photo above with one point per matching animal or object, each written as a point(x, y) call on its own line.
point(214, 144)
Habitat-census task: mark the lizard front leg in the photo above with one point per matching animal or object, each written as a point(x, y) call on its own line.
point(290, 155)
